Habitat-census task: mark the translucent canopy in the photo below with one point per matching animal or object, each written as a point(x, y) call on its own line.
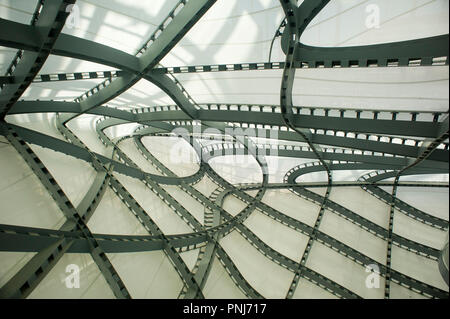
point(106, 134)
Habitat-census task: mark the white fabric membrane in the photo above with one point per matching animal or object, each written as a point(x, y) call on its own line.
point(232, 31)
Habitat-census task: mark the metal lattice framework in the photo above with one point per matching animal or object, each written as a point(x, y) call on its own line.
point(338, 139)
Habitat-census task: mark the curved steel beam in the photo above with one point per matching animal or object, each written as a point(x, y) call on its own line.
point(24, 281)
point(428, 148)
point(296, 19)
point(142, 67)
point(47, 27)
point(356, 125)
point(178, 26)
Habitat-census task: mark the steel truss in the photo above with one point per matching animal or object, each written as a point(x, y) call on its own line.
point(391, 143)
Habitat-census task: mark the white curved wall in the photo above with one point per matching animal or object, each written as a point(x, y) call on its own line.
point(396, 88)
point(418, 231)
point(308, 290)
point(193, 206)
point(231, 31)
point(128, 147)
point(83, 127)
point(400, 292)
point(74, 176)
point(190, 257)
point(41, 122)
point(233, 205)
point(119, 24)
point(205, 186)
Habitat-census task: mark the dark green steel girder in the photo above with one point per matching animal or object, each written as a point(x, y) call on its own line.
point(19, 35)
point(47, 28)
point(205, 259)
point(213, 245)
point(30, 275)
point(141, 215)
point(31, 239)
point(357, 125)
point(190, 13)
point(355, 143)
point(133, 68)
point(81, 153)
point(40, 78)
point(72, 150)
point(401, 205)
point(6, 80)
point(294, 174)
point(421, 51)
point(427, 149)
point(297, 20)
point(253, 186)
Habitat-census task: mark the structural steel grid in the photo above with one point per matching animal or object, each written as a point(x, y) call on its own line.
point(404, 143)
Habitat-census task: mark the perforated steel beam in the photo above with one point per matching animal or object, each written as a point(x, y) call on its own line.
point(23, 283)
point(356, 125)
point(181, 23)
point(46, 30)
point(312, 128)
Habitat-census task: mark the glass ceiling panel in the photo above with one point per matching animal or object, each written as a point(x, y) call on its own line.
point(6, 56)
point(279, 166)
point(232, 31)
point(343, 22)
point(83, 127)
point(60, 90)
point(243, 87)
point(60, 64)
point(399, 88)
point(142, 94)
point(237, 168)
point(41, 122)
point(411, 88)
point(117, 131)
point(121, 24)
point(17, 10)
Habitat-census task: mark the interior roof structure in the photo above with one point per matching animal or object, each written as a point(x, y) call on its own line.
point(338, 108)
